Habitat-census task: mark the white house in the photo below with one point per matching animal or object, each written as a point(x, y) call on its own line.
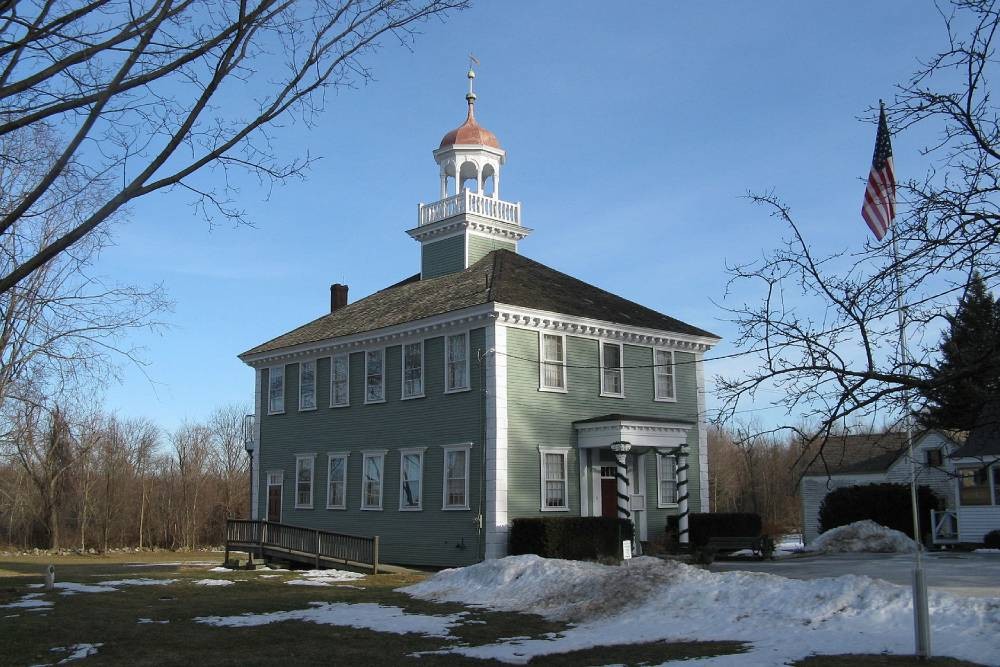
point(857, 460)
point(976, 482)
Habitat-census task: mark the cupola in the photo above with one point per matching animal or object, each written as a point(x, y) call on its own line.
point(469, 220)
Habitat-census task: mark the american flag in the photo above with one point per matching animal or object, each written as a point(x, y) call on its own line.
point(880, 196)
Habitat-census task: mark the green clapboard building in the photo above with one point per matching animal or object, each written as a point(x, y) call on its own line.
point(484, 388)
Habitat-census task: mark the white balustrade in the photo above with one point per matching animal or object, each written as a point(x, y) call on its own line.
point(470, 202)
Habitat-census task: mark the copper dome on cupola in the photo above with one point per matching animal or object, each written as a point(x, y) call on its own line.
point(470, 132)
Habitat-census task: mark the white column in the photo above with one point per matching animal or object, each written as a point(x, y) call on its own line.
point(682, 495)
point(495, 367)
point(444, 183)
point(496, 182)
point(621, 483)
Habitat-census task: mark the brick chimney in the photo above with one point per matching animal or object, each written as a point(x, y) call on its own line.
point(338, 297)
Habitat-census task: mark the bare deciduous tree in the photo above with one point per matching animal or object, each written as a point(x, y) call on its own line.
point(148, 95)
point(825, 331)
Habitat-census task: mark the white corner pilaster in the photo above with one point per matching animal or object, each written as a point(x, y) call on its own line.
point(699, 371)
point(255, 480)
point(496, 521)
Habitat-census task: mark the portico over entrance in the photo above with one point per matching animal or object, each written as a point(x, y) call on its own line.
point(646, 435)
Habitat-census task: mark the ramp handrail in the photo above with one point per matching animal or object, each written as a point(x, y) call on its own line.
point(320, 544)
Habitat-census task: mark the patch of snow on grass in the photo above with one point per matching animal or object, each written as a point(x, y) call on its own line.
point(79, 652)
point(307, 582)
point(269, 576)
point(172, 563)
point(29, 601)
point(652, 600)
point(366, 615)
point(863, 536)
point(324, 577)
point(145, 621)
point(214, 582)
point(140, 582)
point(220, 568)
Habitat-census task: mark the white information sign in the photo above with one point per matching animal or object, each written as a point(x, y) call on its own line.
point(626, 549)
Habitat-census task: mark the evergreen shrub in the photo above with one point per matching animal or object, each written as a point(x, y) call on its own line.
point(992, 539)
point(886, 504)
point(570, 537)
point(706, 525)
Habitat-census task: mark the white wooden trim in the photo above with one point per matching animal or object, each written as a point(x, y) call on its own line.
point(402, 370)
point(496, 519)
point(468, 361)
point(346, 456)
point(373, 454)
point(258, 379)
point(699, 374)
point(348, 366)
point(284, 389)
point(312, 480)
point(542, 362)
point(564, 452)
point(315, 377)
point(621, 371)
point(467, 447)
point(410, 451)
point(673, 377)
point(582, 467)
point(380, 350)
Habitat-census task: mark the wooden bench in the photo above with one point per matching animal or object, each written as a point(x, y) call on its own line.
point(761, 546)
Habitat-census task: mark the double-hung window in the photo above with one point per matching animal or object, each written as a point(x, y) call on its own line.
point(340, 380)
point(553, 362)
point(411, 473)
point(375, 376)
point(336, 481)
point(275, 390)
point(372, 470)
point(611, 370)
point(305, 466)
point(663, 375)
point(666, 481)
point(456, 365)
point(974, 485)
point(307, 385)
point(554, 480)
point(456, 477)
point(413, 370)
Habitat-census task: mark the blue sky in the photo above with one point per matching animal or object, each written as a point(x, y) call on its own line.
point(633, 133)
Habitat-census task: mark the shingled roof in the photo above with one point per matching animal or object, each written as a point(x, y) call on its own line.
point(984, 438)
point(501, 276)
point(858, 454)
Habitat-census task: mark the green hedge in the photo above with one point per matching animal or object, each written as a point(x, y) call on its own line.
point(703, 526)
point(992, 539)
point(570, 537)
point(885, 504)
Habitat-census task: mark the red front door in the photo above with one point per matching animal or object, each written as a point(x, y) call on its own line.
point(609, 492)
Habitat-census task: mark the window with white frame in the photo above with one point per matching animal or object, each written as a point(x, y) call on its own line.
point(372, 469)
point(411, 474)
point(663, 375)
point(974, 485)
point(374, 376)
point(666, 481)
point(456, 477)
point(340, 380)
point(413, 370)
point(611, 370)
point(456, 371)
point(305, 465)
point(553, 362)
point(336, 481)
point(307, 385)
point(554, 482)
point(276, 390)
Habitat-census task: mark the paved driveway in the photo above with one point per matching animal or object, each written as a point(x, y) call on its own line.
point(963, 573)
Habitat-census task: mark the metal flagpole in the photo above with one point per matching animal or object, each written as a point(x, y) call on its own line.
point(921, 614)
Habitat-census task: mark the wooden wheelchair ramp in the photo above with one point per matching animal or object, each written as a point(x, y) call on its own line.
point(308, 546)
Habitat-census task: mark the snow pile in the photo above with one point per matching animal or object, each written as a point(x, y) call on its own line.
point(367, 615)
point(863, 536)
point(213, 582)
point(324, 577)
point(652, 600)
